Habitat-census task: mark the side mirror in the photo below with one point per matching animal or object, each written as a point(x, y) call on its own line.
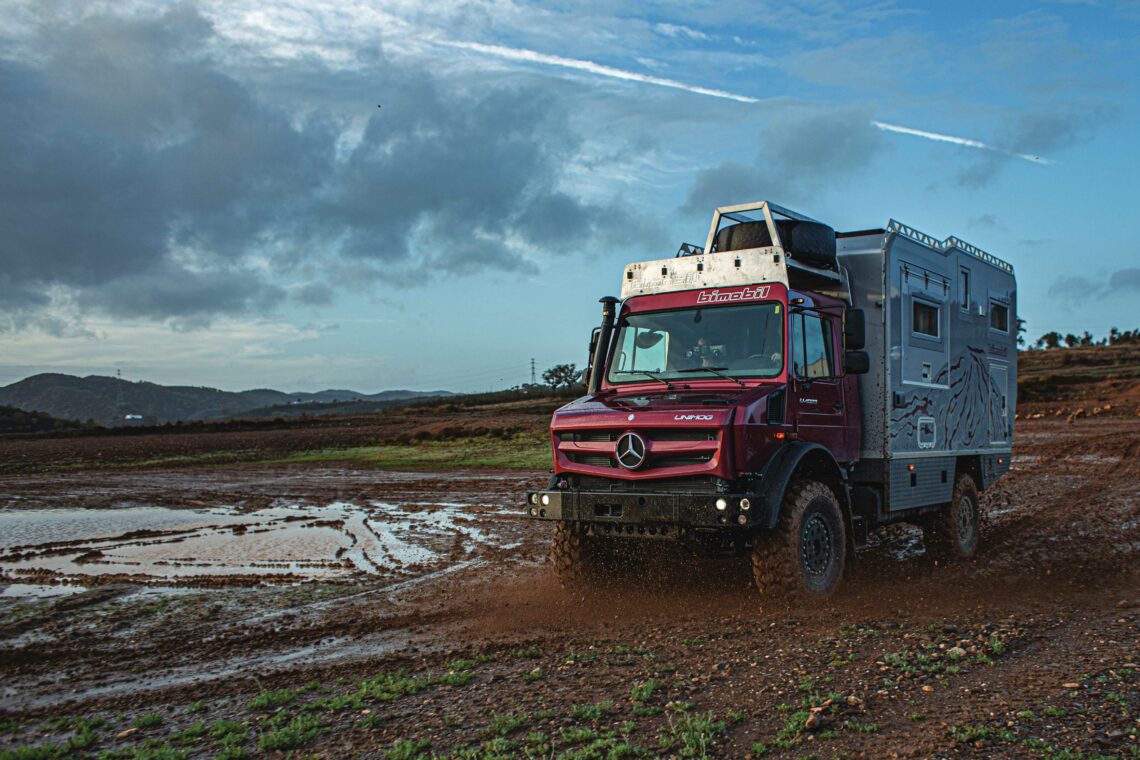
point(856, 363)
point(854, 330)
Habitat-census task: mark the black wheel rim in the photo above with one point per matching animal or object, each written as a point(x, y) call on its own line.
point(966, 520)
point(816, 551)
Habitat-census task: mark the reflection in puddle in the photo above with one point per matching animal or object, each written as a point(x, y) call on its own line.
point(37, 591)
point(285, 542)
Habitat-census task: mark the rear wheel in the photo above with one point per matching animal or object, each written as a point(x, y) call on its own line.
point(806, 554)
point(953, 533)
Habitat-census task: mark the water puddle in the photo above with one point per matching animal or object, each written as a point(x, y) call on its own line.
point(285, 542)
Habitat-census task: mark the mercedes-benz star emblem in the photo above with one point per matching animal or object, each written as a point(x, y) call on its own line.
point(630, 451)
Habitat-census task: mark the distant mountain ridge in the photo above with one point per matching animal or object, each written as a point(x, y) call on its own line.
point(109, 400)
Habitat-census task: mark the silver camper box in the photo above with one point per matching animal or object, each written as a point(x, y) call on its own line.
point(941, 320)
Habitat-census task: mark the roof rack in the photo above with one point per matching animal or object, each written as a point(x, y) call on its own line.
point(945, 245)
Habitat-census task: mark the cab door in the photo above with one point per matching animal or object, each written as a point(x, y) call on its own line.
point(817, 396)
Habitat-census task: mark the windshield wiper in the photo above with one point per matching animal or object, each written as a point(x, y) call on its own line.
point(652, 375)
point(715, 371)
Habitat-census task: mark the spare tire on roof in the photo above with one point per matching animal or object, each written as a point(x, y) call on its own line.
point(810, 242)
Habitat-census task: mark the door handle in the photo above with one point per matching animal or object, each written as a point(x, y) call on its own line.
point(838, 404)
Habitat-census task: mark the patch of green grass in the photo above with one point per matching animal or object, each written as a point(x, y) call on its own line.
point(1050, 711)
point(190, 734)
point(643, 692)
point(272, 698)
point(736, 716)
point(196, 707)
point(592, 712)
point(298, 732)
point(915, 716)
point(36, 752)
point(790, 733)
point(1026, 715)
point(576, 734)
point(860, 728)
point(228, 733)
point(148, 720)
point(408, 749)
point(534, 675)
point(695, 642)
point(759, 749)
point(526, 653)
point(691, 735)
point(505, 724)
point(336, 704)
point(528, 451)
point(389, 686)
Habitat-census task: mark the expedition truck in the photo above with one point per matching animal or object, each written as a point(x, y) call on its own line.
point(782, 391)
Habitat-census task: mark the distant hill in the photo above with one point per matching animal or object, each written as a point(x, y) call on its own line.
point(109, 400)
point(19, 422)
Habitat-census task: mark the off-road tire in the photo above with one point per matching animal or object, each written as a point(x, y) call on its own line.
point(811, 242)
point(954, 532)
point(804, 557)
point(570, 553)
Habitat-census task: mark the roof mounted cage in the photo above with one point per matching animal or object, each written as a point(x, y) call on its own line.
point(945, 245)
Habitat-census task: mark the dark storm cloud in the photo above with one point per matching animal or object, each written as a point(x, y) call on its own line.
point(145, 175)
point(801, 153)
point(1076, 289)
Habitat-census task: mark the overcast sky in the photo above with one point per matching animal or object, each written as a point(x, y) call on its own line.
point(397, 194)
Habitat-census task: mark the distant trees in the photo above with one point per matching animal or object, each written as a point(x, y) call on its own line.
point(1054, 339)
point(561, 376)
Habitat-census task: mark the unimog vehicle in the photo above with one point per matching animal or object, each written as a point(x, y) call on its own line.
point(783, 391)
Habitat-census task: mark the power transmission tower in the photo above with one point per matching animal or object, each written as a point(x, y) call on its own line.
point(532, 378)
point(119, 393)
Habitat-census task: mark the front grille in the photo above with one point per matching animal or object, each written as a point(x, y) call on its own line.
point(594, 460)
point(650, 434)
point(681, 460)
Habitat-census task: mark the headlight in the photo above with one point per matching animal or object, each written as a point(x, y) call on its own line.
point(546, 500)
point(745, 505)
point(534, 498)
point(721, 504)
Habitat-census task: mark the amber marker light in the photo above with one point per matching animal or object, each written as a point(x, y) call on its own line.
point(910, 468)
point(779, 436)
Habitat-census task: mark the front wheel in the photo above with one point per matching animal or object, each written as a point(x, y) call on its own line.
point(806, 554)
point(954, 532)
point(570, 553)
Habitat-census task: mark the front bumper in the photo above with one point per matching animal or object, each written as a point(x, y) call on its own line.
point(696, 510)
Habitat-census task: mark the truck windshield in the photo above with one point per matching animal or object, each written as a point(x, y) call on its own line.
point(738, 341)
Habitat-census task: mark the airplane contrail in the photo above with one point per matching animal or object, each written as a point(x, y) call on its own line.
point(531, 56)
point(521, 54)
point(958, 141)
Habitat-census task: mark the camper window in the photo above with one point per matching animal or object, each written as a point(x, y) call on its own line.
point(999, 317)
point(964, 289)
point(924, 319)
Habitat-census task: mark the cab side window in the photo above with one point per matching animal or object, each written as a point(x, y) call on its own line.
point(811, 346)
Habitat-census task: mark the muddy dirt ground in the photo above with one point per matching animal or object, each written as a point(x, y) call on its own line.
point(337, 611)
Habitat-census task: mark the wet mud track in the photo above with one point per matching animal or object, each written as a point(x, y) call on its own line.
point(447, 634)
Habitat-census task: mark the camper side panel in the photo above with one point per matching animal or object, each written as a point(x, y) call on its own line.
point(951, 328)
